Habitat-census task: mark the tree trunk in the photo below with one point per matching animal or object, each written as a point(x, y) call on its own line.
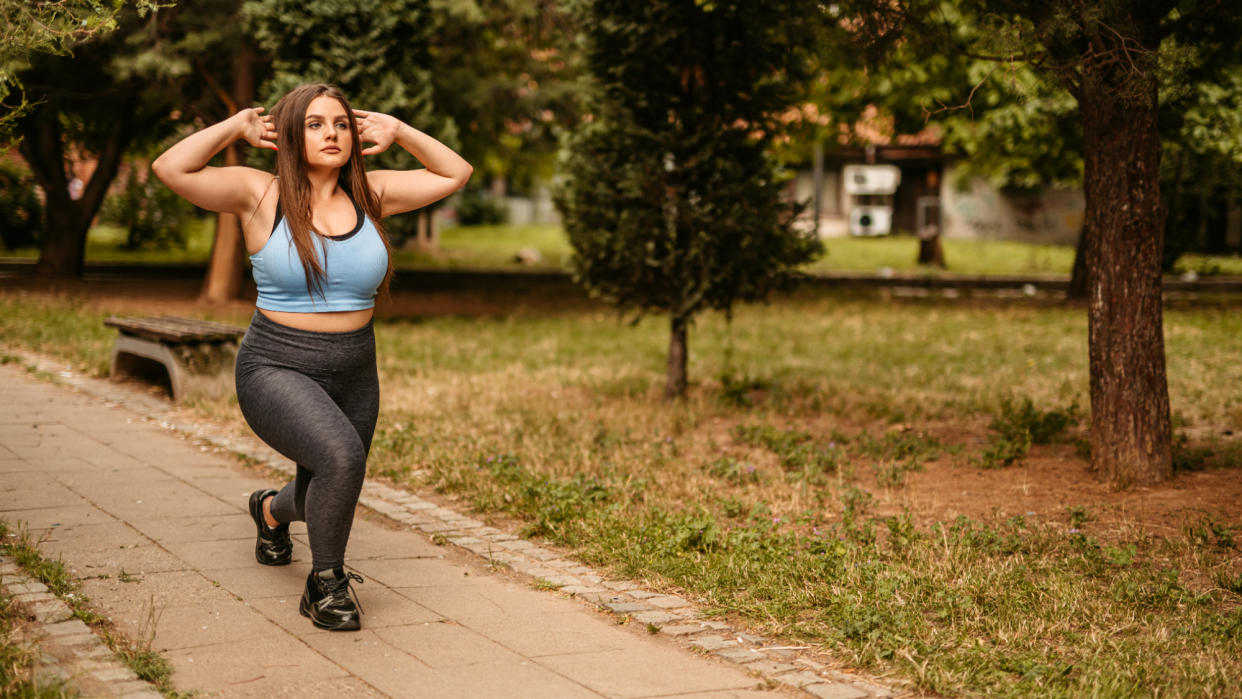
point(427, 235)
point(224, 272)
point(1130, 429)
point(675, 385)
point(228, 251)
point(66, 220)
point(1078, 277)
point(931, 250)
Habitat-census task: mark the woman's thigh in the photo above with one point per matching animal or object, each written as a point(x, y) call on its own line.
point(298, 418)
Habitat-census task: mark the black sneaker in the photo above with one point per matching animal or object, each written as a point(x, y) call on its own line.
point(327, 602)
point(273, 547)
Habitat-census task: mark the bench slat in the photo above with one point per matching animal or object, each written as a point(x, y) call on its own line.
point(172, 329)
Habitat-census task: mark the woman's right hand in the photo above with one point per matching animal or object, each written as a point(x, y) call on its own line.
point(257, 129)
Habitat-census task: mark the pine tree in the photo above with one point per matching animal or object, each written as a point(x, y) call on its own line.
point(670, 199)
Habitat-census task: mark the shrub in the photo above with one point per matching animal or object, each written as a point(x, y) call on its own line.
point(21, 212)
point(152, 215)
point(477, 209)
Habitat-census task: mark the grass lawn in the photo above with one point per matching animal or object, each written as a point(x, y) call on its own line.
point(494, 247)
point(834, 478)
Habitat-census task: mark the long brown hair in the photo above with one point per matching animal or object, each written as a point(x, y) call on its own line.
point(294, 184)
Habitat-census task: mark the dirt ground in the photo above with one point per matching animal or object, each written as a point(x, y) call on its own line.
point(1054, 479)
point(1042, 488)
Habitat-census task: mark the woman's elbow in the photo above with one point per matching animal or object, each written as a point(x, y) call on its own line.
point(159, 168)
point(464, 177)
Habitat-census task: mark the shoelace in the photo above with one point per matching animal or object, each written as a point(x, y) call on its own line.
point(278, 536)
point(349, 590)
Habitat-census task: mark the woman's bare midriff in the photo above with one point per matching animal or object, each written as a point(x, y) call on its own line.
point(325, 322)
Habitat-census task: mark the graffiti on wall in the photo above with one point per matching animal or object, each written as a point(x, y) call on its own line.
point(1054, 216)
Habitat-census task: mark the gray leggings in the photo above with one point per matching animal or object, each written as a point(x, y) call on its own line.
point(314, 397)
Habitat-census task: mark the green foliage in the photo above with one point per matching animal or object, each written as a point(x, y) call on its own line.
point(1006, 100)
point(899, 444)
point(892, 474)
point(1208, 530)
point(475, 208)
point(1202, 159)
point(737, 390)
point(1020, 425)
point(376, 51)
point(48, 28)
point(1022, 416)
point(98, 100)
point(733, 471)
point(800, 454)
point(1078, 515)
point(1004, 450)
point(151, 214)
point(507, 72)
point(550, 504)
point(21, 212)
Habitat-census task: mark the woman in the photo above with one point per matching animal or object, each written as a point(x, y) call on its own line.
point(306, 374)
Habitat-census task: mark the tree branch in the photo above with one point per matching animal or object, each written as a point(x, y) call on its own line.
point(927, 115)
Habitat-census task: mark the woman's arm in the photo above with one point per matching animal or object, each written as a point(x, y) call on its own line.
point(405, 190)
point(234, 190)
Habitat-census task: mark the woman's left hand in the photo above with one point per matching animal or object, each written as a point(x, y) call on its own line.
point(377, 128)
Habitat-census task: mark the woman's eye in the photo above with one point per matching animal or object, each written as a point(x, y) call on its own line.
point(313, 125)
point(342, 126)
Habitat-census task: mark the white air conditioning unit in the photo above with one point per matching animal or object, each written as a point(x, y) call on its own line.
point(871, 220)
point(871, 179)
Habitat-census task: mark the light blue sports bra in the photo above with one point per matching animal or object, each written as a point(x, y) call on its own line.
point(354, 265)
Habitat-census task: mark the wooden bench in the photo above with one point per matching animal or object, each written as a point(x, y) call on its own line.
point(197, 355)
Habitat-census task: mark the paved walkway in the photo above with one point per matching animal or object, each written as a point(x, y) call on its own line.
point(156, 527)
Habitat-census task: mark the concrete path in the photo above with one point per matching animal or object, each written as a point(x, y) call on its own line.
point(157, 529)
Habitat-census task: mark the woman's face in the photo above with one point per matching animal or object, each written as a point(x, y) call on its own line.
point(326, 132)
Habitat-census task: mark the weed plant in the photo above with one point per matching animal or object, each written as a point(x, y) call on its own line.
point(1019, 425)
point(17, 661)
point(147, 663)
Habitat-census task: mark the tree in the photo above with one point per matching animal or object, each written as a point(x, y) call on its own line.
point(1106, 53)
point(94, 102)
point(1006, 123)
point(1019, 128)
point(507, 72)
point(47, 27)
point(198, 55)
point(376, 51)
point(670, 199)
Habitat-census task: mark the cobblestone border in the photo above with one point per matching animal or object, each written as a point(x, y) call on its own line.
point(795, 667)
point(68, 650)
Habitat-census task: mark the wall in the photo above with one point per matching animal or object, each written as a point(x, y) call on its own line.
point(535, 209)
point(1052, 217)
